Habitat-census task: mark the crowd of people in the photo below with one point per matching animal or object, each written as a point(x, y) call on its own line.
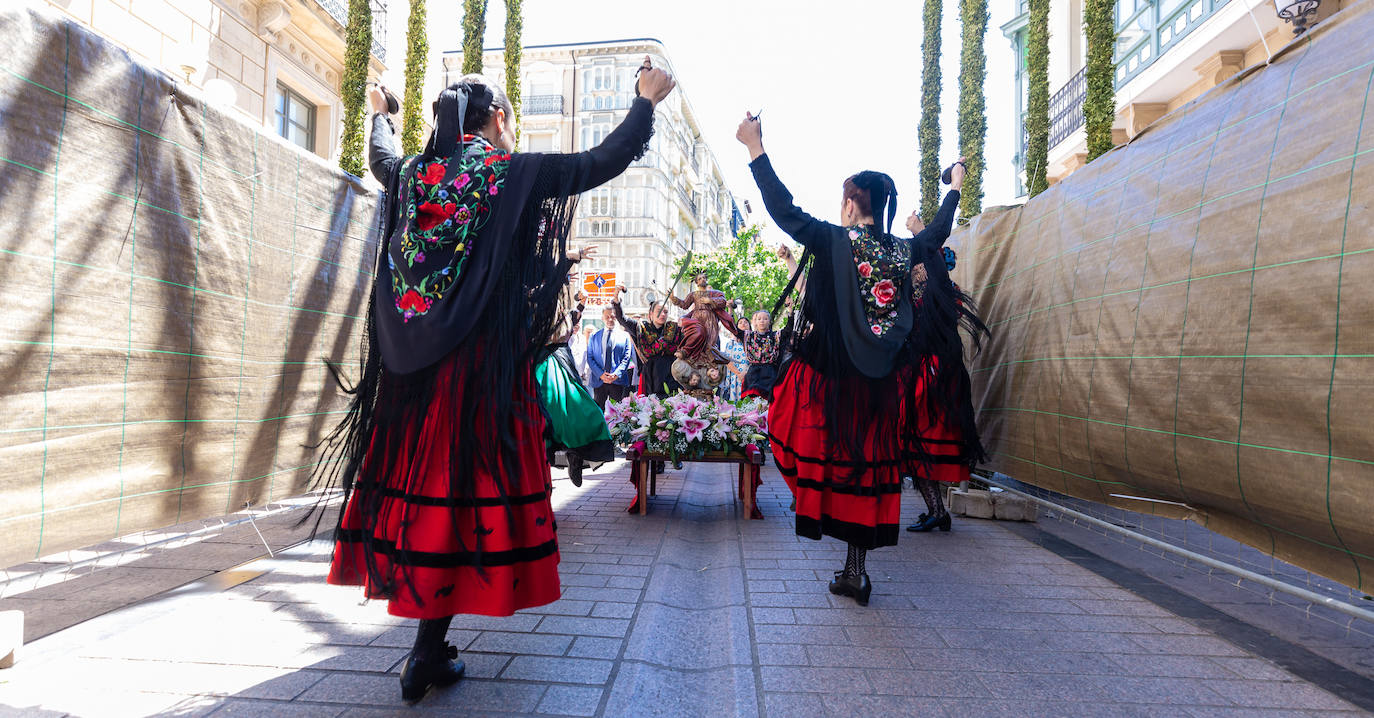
point(479, 370)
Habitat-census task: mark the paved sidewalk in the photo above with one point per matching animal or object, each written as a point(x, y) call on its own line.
point(689, 611)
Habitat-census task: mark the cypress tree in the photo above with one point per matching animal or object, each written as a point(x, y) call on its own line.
point(973, 118)
point(1099, 102)
point(514, 25)
point(929, 132)
point(353, 85)
point(417, 53)
point(1038, 97)
point(474, 29)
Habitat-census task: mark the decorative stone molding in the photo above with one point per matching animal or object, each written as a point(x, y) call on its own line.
point(1140, 115)
point(1221, 66)
point(273, 17)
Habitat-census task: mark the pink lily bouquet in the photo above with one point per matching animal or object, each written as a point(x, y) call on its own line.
point(684, 427)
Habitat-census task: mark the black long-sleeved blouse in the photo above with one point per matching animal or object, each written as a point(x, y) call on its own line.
point(859, 292)
point(458, 241)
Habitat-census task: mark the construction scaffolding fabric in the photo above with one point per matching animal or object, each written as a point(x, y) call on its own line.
point(172, 279)
point(1190, 318)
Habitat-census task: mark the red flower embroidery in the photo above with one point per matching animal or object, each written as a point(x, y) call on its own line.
point(865, 269)
point(434, 173)
point(412, 303)
point(884, 292)
point(429, 215)
point(877, 330)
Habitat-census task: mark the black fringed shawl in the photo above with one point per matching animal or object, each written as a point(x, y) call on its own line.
point(503, 304)
point(855, 357)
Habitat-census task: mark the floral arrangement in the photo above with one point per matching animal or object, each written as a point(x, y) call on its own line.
point(683, 426)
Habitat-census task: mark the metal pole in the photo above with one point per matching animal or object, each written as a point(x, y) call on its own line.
point(1246, 574)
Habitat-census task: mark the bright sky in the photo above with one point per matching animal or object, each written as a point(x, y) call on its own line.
point(839, 83)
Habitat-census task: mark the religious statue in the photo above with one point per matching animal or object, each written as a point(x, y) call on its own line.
point(698, 364)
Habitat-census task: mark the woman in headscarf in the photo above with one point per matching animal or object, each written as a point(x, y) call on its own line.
point(841, 422)
point(441, 454)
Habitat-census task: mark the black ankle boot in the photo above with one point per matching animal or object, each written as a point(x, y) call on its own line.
point(856, 587)
point(419, 675)
point(575, 468)
point(929, 523)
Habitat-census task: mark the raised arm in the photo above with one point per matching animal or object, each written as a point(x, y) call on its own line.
point(620, 317)
point(381, 146)
point(570, 174)
point(939, 228)
point(776, 199)
point(790, 218)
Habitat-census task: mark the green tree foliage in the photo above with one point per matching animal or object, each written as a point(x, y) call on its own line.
point(412, 105)
point(929, 133)
point(514, 25)
point(474, 29)
point(353, 85)
point(1038, 97)
point(1099, 104)
point(973, 116)
point(744, 269)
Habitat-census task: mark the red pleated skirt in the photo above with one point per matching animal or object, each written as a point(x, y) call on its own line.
point(854, 499)
point(426, 551)
point(938, 453)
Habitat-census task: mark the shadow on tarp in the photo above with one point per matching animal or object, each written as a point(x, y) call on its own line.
point(1188, 317)
point(174, 277)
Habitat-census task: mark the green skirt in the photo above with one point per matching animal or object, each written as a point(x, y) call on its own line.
point(575, 422)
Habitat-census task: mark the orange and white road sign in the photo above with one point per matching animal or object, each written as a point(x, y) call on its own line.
point(600, 287)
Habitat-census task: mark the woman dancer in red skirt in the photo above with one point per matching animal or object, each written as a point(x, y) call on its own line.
point(441, 455)
point(842, 422)
point(942, 455)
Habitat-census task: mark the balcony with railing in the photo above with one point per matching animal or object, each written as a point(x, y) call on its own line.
point(1066, 108)
point(543, 105)
point(687, 201)
point(1146, 31)
point(338, 9)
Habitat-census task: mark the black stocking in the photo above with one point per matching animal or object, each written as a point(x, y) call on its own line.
point(429, 639)
point(930, 491)
point(854, 561)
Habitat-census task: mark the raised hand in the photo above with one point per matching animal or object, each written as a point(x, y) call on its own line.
point(376, 97)
point(655, 84)
point(750, 133)
point(956, 175)
point(914, 224)
point(580, 255)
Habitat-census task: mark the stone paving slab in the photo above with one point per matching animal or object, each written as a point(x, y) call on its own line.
point(689, 611)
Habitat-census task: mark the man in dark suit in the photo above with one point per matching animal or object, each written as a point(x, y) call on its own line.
point(609, 353)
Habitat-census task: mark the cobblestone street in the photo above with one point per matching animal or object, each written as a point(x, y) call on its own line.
point(686, 612)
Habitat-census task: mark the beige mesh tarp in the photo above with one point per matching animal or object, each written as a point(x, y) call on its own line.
point(1191, 316)
point(171, 279)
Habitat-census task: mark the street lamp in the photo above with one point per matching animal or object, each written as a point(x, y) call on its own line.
point(1297, 12)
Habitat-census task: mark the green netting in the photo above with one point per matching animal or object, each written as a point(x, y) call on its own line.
point(1190, 318)
point(173, 278)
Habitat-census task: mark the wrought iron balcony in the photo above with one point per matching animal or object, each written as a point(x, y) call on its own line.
point(1066, 108)
point(687, 200)
point(338, 9)
point(543, 105)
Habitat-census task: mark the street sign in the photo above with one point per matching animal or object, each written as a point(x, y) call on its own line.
point(600, 287)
